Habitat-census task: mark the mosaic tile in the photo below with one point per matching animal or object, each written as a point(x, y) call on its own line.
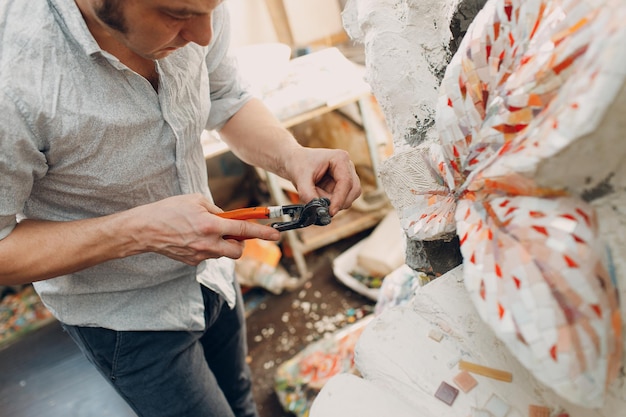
point(465, 381)
point(497, 406)
point(538, 411)
point(435, 334)
point(446, 393)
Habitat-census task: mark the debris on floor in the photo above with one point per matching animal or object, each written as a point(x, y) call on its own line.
point(435, 334)
point(279, 326)
point(259, 267)
point(20, 313)
point(299, 380)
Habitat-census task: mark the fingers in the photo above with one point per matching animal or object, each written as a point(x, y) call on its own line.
point(346, 188)
point(327, 173)
point(223, 248)
point(229, 242)
point(339, 183)
point(187, 229)
point(231, 248)
point(239, 230)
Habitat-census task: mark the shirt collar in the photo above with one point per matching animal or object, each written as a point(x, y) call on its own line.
point(69, 17)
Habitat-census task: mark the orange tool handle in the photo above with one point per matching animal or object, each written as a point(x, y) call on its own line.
point(247, 213)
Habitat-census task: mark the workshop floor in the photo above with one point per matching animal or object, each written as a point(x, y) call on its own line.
point(44, 374)
point(282, 325)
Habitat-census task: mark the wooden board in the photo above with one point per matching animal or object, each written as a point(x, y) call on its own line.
point(277, 12)
point(346, 224)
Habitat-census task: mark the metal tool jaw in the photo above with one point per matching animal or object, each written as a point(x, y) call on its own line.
point(315, 212)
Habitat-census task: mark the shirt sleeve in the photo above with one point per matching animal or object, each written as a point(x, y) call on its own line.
point(227, 92)
point(21, 160)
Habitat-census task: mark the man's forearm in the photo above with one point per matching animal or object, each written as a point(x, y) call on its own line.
point(183, 228)
point(257, 138)
point(38, 250)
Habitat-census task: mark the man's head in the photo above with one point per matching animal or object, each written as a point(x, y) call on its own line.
point(151, 29)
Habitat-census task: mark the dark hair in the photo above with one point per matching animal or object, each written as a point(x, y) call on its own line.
point(110, 12)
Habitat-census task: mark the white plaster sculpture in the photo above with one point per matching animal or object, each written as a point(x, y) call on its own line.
point(535, 87)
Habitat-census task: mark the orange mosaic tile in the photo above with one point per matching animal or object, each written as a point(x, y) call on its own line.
point(538, 411)
point(465, 381)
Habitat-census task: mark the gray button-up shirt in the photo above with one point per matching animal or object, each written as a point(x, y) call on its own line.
point(82, 135)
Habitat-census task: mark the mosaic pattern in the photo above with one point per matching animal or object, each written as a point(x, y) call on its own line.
point(529, 79)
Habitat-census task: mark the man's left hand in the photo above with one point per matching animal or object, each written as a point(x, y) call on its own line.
point(321, 172)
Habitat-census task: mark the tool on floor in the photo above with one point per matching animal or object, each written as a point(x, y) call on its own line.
point(315, 212)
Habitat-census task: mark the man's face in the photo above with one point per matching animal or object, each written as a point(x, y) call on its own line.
point(155, 28)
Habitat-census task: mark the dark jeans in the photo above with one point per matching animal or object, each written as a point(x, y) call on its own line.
point(177, 373)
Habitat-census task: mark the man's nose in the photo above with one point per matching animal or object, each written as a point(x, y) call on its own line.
point(198, 30)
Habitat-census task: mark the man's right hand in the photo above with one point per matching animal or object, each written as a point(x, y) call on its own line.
point(185, 228)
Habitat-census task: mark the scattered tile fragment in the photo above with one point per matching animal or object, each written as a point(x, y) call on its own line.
point(485, 371)
point(497, 406)
point(435, 334)
point(465, 381)
point(444, 326)
point(446, 393)
point(538, 411)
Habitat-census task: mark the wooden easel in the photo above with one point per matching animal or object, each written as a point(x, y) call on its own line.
point(280, 20)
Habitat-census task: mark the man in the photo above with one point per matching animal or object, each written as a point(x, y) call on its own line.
point(102, 103)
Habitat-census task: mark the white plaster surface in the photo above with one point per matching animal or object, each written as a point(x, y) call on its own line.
point(395, 354)
point(611, 213)
point(405, 43)
point(359, 397)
